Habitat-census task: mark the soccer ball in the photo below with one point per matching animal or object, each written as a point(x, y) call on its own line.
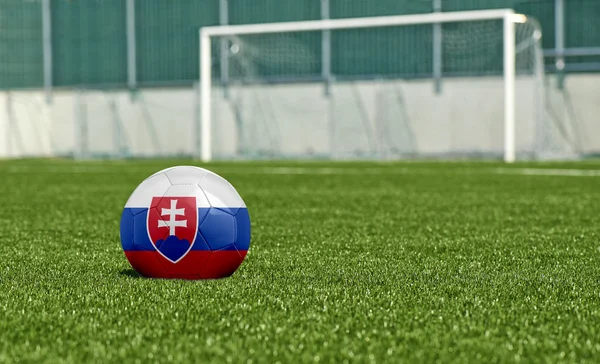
point(185, 222)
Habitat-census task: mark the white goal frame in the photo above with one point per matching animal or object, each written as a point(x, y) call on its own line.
point(508, 16)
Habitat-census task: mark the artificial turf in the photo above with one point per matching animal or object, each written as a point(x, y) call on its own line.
point(399, 262)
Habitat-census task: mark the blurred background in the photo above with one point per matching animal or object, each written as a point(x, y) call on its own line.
point(119, 79)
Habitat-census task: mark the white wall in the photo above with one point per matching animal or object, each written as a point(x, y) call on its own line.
point(296, 119)
point(25, 125)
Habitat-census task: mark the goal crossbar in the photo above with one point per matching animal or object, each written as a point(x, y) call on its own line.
point(507, 15)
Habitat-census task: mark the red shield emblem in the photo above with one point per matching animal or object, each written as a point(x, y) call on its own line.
point(172, 225)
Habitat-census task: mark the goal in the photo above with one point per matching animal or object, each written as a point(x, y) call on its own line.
point(439, 85)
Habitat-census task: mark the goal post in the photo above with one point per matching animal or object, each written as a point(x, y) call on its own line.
point(506, 16)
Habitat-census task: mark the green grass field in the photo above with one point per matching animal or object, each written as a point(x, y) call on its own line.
point(358, 262)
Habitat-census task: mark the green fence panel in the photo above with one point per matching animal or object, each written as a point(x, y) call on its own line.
point(363, 8)
point(89, 42)
point(394, 51)
point(583, 21)
point(267, 11)
point(21, 55)
point(167, 39)
point(583, 27)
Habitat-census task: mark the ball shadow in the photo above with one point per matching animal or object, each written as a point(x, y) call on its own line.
point(130, 273)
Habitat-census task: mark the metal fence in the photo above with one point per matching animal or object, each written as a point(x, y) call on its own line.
point(129, 43)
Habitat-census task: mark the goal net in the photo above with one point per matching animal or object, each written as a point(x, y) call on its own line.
point(440, 85)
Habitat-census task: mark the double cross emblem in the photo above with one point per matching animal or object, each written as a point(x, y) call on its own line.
point(172, 223)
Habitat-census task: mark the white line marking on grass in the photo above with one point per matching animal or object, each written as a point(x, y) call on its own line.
point(62, 169)
point(392, 170)
point(405, 170)
point(550, 172)
point(327, 170)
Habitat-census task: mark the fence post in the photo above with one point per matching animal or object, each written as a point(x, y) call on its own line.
point(437, 49)
point(326, 49)
point(559, 38)
point(47, 48)
point(224, 47)
point(9, 124)
point(131, 44)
